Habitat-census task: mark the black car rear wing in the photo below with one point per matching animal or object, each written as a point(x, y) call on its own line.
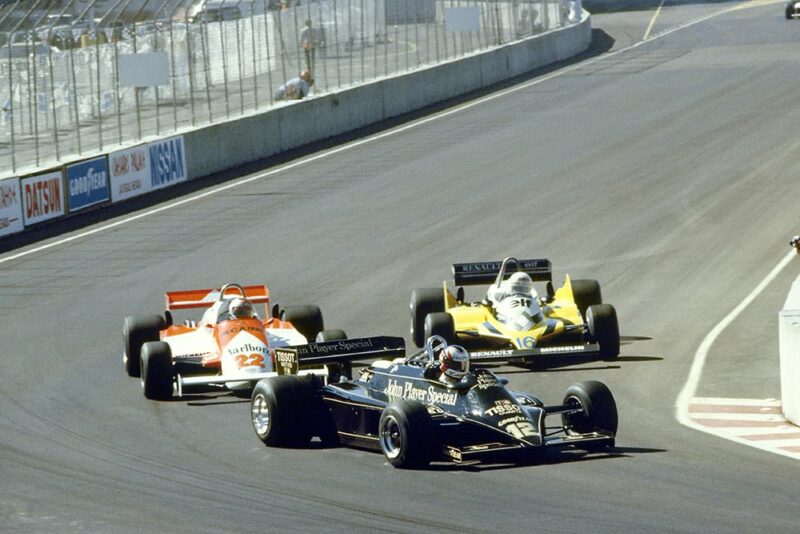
point(485, 272)
point(288, 360)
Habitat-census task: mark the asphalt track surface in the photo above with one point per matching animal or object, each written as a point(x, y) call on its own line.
point(667, 171)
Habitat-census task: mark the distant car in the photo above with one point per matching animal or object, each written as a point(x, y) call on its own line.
point(517, 326)
point(793, 9)
point(401, 408)
point(230, 346)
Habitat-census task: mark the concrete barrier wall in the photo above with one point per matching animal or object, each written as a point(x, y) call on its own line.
point(223, 146)
point(789, 347)
point(229, 144)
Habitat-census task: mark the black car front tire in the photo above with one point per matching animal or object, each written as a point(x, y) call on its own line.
point(285, 411)
point(599, 411)
point(406, 434)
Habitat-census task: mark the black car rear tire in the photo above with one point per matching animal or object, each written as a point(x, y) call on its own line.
point(406, 434)
point(440, 324)
point(284, 410)
point(586, 293)
point(604, 328)
point(136, 331)
point(156, 370)
point(424, 301)
point(306, 319)
point(599, 411)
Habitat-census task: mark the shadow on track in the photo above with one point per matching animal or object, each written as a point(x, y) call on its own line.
point(538, 459)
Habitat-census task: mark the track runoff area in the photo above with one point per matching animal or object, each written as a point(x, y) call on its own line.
point(757, 423)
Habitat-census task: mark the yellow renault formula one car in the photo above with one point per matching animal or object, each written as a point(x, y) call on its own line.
point(513, 322)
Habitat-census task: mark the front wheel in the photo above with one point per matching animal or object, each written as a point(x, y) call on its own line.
point(156, 370)
point(406, 434)
point(281, 411)
point(601, 321)
point(598, 410)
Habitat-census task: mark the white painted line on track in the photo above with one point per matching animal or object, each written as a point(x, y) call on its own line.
point(653, 21)
point(360, 142)
point(687, 398)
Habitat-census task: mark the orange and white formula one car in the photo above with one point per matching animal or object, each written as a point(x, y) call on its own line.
point(229, 347)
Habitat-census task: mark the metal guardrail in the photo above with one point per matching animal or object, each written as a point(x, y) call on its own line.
point(65, 92)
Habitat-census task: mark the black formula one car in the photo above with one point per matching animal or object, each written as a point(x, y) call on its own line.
point(400, 407)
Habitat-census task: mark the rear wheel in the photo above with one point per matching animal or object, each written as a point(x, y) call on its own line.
point(440, 324)
point(306, 319)
point(136, 331)
point(604, 328)
point(424, 301)
point(285, 411)
point(598, 411)
point(586, 293)
point(156, 370)
point(332, 334)
point(406, 434)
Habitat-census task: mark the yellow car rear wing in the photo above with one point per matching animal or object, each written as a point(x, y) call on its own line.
point(485, 272)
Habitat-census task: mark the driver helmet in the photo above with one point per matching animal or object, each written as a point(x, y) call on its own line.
point(241, 309)
point(520, 284)
point(454, 362)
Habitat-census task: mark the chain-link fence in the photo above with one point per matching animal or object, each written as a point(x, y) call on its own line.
point(77, 78)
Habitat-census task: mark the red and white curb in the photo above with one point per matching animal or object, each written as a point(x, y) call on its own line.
point(755, 422)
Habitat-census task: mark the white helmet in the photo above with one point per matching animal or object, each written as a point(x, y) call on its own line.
point(454, 362)
point(241, 309)
point(520, 284)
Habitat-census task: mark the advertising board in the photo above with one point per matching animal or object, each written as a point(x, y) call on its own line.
point(87, 183)
point(42, 197)
point(167, 162)
point(10, 207)
point(130, 172)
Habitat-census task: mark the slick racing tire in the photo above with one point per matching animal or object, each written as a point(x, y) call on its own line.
point(332, 334)
point(136, 331)
point(156, 370)
point(586, 293)
point(424, 301)
point(604, 329)
point(406, 434)
point(306, 319)
point(285, 410)
point(440, 324)
point(599, 411)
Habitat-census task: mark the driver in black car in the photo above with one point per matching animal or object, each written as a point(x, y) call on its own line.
point(453, 364)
